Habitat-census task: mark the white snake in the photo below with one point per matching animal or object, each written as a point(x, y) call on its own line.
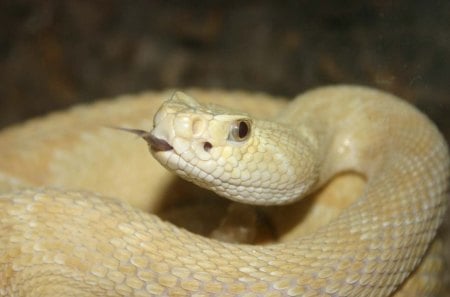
point(57, 241)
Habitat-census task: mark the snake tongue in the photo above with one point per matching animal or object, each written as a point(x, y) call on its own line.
point(156, 144)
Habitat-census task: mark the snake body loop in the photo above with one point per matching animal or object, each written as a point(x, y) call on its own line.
point(56, 242)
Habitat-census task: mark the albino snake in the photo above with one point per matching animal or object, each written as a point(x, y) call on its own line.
point(57, 238)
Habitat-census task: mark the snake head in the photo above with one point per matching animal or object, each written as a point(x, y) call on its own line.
point(230, 153)
point(201, 143)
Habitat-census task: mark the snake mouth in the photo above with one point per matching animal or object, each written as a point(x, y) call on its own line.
point(157, 144)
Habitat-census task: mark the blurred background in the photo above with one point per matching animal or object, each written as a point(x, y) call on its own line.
point(54, 53)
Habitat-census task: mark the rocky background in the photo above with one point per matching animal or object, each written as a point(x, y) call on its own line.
point(55, 53)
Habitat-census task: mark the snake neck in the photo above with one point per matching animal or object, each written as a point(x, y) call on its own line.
point(287, 162)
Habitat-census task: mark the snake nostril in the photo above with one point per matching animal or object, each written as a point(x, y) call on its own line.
point(207, 146)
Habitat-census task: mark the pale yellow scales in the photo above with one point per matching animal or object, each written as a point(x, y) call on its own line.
point(63, 240)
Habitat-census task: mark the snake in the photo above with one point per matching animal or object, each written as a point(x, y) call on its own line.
point(75, 196)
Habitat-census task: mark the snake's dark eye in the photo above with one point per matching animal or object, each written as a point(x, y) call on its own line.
point(240, 130)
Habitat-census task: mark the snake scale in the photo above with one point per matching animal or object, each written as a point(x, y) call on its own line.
point(62, 235)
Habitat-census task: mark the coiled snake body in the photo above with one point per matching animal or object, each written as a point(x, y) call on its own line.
point(57, 239)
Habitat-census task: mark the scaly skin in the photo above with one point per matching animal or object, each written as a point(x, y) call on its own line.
point(68, 242)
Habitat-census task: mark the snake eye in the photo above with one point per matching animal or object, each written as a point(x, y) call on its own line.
point(240, 130)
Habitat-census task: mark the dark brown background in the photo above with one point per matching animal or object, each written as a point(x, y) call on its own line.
point(55, 53)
